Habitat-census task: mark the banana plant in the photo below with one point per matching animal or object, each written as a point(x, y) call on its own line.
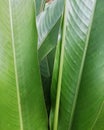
point(29, 39)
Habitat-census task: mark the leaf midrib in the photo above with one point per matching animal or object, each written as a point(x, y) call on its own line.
point(57, 105)
point(15, 66)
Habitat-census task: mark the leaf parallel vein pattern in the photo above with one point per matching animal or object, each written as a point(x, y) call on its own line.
point(83, 59)
point(76, 40)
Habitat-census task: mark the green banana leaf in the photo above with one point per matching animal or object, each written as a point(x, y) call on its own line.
point(22, 105)
point(78, 77)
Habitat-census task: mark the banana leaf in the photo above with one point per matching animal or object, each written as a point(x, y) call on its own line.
point(78, 76)
point(22, 105)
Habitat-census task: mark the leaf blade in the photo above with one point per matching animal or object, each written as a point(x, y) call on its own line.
point(76, 40)
point(20, 108)
point(93, 96)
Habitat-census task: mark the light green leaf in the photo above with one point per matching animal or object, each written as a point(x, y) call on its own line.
point(22, 104)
